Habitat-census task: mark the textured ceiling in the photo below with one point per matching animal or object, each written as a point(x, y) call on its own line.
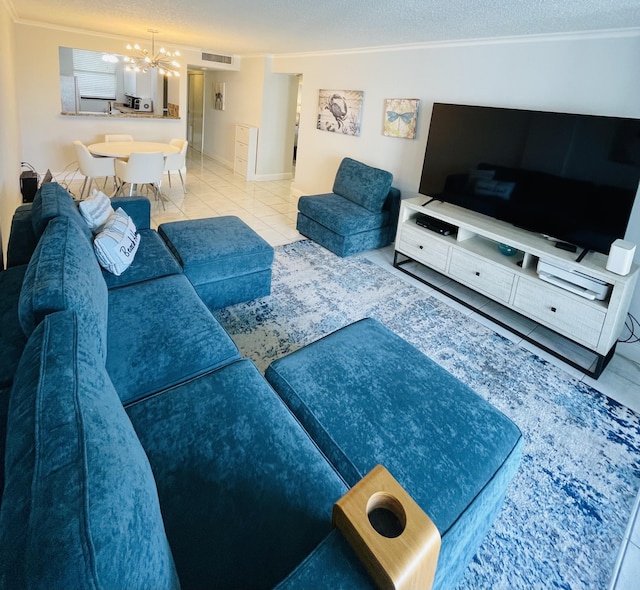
point(293, 26)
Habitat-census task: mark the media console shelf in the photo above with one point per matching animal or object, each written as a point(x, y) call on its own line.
point(469, 255)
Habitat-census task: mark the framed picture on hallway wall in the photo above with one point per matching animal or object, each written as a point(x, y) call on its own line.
point(401, 117)
point(340, 111)
point(218, 96)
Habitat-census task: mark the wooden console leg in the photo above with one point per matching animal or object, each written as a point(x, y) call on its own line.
point(396, 541)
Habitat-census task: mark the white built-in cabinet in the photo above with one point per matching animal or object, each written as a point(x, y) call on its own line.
point(469, 254)
point(246, 148)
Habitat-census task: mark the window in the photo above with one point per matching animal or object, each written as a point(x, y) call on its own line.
point(96, 77)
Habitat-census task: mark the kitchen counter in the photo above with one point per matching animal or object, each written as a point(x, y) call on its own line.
point(130, 115)
point(123, 113)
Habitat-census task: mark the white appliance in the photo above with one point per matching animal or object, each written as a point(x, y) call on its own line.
point(621, 257)
point(143, 104)
point(574, 281)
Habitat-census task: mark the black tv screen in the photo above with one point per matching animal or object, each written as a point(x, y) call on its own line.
point(571, 177)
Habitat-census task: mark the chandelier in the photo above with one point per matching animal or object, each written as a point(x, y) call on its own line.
point(163, 61)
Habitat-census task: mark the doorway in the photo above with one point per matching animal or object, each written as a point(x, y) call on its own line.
point(195, 110)
point(298, 109)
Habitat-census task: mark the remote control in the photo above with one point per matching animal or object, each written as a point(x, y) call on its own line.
point(566, 246)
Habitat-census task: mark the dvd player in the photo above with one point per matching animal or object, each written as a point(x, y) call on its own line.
point(441, 227)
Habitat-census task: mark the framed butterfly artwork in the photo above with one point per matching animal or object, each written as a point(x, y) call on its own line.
point(401, 117)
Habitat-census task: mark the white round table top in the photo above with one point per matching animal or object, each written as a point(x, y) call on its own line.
point(123, 149)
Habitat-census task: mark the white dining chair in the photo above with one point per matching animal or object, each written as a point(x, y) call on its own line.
point(92, 167)
point(118, 137)
point(141, 168)
point(177, 161)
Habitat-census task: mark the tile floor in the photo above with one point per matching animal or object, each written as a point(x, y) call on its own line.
point(270, 209)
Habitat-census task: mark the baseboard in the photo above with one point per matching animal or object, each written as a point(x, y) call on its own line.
point(257, 177)
point(221, 161)
point(278, 176)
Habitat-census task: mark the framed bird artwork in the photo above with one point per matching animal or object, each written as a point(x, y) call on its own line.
point(340, 111)
point(401, 117)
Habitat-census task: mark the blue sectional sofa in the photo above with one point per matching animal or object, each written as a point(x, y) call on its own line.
point(142, 450)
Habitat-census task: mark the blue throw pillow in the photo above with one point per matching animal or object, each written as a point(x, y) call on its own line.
point(80, 507)
point(362, 184)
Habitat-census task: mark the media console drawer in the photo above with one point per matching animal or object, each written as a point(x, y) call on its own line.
point(564, 313)
point(423, 247)
point(482, 275)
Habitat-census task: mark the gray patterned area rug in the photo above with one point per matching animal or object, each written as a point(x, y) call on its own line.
point(567, 508)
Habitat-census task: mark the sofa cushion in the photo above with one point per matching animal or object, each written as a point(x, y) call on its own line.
point(138, 208)
point(332, 564)
point(341, 215)
point(80, 508)
point(245, 493)
point(22, 239)
point(52, 200)
point(362, 184)
point(4, 409)
point(64, 274)
point(153, 259)
point(160, 334)
point(12, 338)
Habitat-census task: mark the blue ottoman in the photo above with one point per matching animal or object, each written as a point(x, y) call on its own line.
point(366, 397)
point(225, 260)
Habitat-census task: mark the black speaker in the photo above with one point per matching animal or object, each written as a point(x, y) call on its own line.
point(28, 185)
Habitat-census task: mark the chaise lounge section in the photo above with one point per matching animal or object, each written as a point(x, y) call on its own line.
point(368, 397)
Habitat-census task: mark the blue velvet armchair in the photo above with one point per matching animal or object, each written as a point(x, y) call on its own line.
point(360, 214)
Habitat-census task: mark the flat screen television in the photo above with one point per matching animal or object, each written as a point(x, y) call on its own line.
point(571, 177)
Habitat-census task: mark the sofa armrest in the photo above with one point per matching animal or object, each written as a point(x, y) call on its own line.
point(138, 208)
point(22, 238)
point(395, 540)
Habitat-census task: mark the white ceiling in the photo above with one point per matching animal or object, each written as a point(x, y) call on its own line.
point(295, 26)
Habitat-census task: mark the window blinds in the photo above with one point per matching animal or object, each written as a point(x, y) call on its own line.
point(96, 77)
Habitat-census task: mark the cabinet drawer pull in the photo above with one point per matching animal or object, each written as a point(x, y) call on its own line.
point(421, 247)
point(553, 309)
point(477, 273)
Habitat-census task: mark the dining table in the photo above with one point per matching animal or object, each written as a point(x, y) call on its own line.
point(123, 149)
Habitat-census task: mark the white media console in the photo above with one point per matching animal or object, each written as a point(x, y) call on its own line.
point(589, 312)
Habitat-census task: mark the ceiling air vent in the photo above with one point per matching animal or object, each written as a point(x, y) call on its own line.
point(221, 59)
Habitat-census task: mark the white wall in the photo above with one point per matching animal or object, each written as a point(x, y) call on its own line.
point(594, 74)
point(254, 96)
point(243, 104)
point(46, 134)
point(277, 127)
point(10, 143)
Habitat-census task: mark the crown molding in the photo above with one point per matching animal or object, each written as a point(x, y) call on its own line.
point(507, 40)
point(101, 35)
